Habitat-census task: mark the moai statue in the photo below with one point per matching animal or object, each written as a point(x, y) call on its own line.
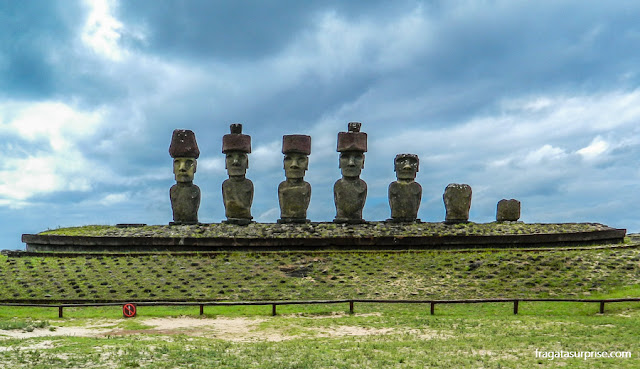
point(508, 210)
point(457, 202)
point(405, 193)
point(294, 193)
point(350, 192)
point(184, 195)
point(237, 191)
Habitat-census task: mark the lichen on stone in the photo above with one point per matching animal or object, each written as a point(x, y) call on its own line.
point(325, 230)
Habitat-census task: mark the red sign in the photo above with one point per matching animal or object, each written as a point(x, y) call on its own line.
point(129, 310)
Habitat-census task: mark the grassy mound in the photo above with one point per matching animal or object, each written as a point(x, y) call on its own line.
point(300, 275)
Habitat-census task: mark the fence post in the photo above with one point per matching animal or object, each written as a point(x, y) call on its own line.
point(515, 307)
point(351, 307)
point(59, 311)
point(601, 307)
point(433, 308)
point(273, 310)
point(201, 309)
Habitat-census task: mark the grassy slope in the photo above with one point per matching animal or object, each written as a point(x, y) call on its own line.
point(292, 276)
point(457, 336)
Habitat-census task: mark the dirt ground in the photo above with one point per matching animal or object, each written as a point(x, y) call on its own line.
point(238, 329)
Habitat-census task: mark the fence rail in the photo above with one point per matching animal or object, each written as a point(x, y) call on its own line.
point(351, 302)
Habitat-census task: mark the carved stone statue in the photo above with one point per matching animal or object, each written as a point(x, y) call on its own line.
point(508, 210)
point(294, 193)
point(350, 192)
point(405, 193)
point(184, 195)
point(237, 191)
point(457, 202)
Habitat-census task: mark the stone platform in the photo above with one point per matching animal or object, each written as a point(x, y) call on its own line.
point(261, 237)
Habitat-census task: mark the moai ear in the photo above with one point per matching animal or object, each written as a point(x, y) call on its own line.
point(362, 161)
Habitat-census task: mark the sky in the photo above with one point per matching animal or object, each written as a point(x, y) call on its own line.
point(533, 100)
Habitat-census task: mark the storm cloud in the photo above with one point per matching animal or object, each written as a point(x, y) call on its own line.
point(538, 101)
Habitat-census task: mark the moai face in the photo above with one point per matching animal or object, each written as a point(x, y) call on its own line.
point(406, 167)
point(295, 165)
point(236, 163)
point(351, 163)
point(184, 169)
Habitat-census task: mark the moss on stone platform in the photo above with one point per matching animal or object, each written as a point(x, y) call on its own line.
point(326, 230)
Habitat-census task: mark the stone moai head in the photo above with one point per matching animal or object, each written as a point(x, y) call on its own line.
point(508, 210)
point(457, 202)
point(406, 166)
point(352, 145)
point(296, 150)
point(236, 146)
point(184, 151)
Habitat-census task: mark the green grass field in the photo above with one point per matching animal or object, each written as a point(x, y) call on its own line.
point(376, 336)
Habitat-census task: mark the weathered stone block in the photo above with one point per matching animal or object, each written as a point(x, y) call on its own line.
point(183, 144)
point(236, 141)
point(508, 210)
point(353, 140)
point(457, 202)
point(296, 144)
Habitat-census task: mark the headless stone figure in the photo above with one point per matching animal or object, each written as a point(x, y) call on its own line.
point(294, 193)
point(350, 192)
point(184, 195)
point(405, 193)
point(237, 191)
point(457, 202)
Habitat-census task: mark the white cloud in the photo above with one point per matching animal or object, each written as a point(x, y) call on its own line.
point(114, 198)
point(102, 32)
point(55, 122)
point(266, 157)
point(269, 215)
point(546, 153)
point(58, 166)
point(214, 165)
point(596, 148)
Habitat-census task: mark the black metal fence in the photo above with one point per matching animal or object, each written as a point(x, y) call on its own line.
point(351, 302)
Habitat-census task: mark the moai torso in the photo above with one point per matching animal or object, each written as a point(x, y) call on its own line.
point(405, 193)
point(237, 195)
point(404, 199)
point(294, 199)
point(349, 196)
point(457, 202)
point(508, 210)
point(185, 201)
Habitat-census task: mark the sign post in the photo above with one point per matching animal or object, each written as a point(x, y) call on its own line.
point(129, 310)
